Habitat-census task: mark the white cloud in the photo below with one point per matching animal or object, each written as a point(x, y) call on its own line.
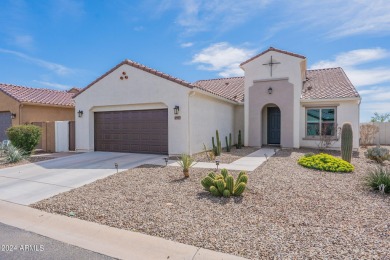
point(138, 28)
point(53, 85)
point(66, 8)
point(54, 67)
point(204, 15)
point(186, 44)
point(350, 62)
point(344, 18)
point(222, 57)
point(23, 40)
point(354, 57)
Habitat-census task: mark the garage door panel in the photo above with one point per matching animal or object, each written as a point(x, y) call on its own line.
point(141, 131)
point(5, 123)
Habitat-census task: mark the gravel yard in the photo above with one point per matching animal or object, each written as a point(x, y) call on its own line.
point(226, 157)
point(287, 212)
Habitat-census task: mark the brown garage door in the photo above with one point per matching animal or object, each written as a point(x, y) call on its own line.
point(137, 131)
point(5, 123)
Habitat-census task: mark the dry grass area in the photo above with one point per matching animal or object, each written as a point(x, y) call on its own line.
point(226, 157)
point(287, 212)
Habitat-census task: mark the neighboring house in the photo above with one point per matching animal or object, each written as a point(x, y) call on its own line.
point(24, 105)
point(133, 108)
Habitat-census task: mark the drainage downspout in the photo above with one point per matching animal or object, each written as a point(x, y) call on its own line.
point(190, 94)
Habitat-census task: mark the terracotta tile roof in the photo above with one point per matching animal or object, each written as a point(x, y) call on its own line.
point(141, 67)
point(229, 88)
point(274, 49)
point(328, 83)
point(38, 95)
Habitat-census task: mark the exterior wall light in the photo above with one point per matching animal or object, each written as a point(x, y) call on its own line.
point(80, 113)
point(13, 115)
point(176, 110)
point(270, 90)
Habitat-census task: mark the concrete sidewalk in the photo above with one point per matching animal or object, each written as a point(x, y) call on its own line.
point(105, 240)
point(246, 163)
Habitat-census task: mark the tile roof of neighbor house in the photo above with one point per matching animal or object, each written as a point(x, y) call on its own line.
point(274, 49)
point(230, 88)
point(38, 95)
point(327, 84)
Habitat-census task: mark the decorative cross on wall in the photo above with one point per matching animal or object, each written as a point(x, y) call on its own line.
point(270, 64)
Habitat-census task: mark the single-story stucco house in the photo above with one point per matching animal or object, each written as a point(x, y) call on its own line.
point(23, 105)
point(133, 108)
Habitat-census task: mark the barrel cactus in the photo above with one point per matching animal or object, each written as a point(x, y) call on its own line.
point(346, 142)
point(223, 184)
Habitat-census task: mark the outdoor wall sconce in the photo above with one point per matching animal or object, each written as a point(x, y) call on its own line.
point(13, 115)
point(176, 110)
point(80, 113)
point(166, 161)
point(217, 163)
point(270, 90)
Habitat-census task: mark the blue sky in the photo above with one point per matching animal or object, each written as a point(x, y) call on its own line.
point(63, 43)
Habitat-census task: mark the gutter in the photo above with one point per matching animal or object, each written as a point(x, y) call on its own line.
point(330, 100)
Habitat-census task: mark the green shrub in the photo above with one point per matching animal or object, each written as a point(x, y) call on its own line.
point(378, 154)
point(223, 184)
point(325, 162)
point(309, 154)
point(25, 137)
point(13, 154)
point(377, 177)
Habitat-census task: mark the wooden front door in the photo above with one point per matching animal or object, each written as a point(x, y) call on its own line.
point(273, 125)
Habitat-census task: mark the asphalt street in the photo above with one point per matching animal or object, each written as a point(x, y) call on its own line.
point(18, 244)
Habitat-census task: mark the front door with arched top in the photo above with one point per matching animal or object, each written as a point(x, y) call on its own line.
point(273, 125)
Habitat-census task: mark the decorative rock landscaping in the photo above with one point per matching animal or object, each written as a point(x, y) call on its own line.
point(286, 211)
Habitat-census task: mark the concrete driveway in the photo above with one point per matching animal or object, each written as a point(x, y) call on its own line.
point(27, 184)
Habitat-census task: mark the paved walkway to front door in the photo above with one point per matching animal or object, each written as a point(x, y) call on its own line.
point(246, 163)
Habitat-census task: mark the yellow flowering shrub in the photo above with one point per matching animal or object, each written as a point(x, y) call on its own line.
point(325, 162)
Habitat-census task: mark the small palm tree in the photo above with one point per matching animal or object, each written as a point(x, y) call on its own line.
point(186, 162)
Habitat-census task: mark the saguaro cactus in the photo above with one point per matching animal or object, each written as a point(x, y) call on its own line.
point(346, 142)
point(239, 143)
point(228, 143)
point(219, 146)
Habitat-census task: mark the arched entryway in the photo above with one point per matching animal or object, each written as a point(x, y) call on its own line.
point(271, 125)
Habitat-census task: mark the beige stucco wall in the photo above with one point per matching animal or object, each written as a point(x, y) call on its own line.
point(290, 69)
point(142, 90)
point(208, 114)
point(259, 99)
point(346, 111)
point(36, 113)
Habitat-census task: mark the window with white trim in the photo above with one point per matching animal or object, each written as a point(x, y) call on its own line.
point(320, 120)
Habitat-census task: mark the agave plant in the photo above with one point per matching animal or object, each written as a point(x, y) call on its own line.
point(186, 162)
point(13, 154)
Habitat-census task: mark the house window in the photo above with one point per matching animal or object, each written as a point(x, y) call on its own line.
point(320, 121)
